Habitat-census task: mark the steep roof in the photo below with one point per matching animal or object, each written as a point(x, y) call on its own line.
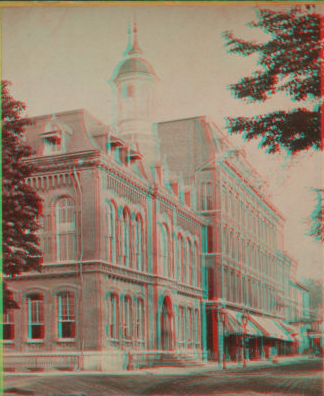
point(81, 127)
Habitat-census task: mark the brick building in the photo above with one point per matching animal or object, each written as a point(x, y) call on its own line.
point(150, 233)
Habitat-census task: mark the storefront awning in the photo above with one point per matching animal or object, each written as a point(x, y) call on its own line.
point(236, 318)
point(270, 328)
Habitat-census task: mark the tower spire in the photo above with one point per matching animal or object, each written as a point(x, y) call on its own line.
point(135, 49)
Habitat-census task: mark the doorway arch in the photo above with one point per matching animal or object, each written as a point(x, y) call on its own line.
point(166, 328)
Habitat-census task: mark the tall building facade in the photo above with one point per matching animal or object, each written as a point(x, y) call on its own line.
point(158, 240)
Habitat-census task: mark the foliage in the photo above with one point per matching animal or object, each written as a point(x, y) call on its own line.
point(315, 288)
point(21, 206)
point(289, 62)
point(315, 221)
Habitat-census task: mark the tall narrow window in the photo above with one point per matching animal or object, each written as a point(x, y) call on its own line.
point(127, 321)
point(181, 324)
point(209, 196)
point(196, 326)
point(126, 239)
point(66, 316)
point(165, 250)
point(35, 312)
point(180, 258)
point(130, 91)
point(210, 239)
point(112, 316)
point(174, 261)
point(160, 249)
point(110, 232)
point(65, 230)
point(8, 325)
point(139, 319)
point(190, 325)
point(195, 272)
point(139, 243)
point(203, 203)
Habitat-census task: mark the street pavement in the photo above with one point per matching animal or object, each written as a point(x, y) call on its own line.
point(300, 376)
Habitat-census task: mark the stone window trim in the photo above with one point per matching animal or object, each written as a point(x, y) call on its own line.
point(34, 301)
point(72, 290)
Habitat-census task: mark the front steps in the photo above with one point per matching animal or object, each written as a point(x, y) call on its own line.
point(172, 359)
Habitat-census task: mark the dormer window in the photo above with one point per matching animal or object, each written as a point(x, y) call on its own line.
point(52, 143)
point(54, 137)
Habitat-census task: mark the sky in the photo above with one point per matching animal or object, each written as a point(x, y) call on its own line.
point(62, 58)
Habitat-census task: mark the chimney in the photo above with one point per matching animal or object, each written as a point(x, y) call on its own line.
point(175, 187)
point(188, 198)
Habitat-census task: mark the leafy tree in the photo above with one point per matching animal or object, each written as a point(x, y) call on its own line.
point(21, 206)
point(315, 221)
point(289, 62)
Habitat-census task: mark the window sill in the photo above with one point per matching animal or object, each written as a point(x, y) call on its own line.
point(35, 341)
point(65, 340)
point(7, 341)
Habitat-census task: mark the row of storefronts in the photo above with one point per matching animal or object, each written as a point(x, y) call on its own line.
point(234, 336)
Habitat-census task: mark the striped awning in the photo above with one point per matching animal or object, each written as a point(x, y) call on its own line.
point(271, 328)
point(235, 318)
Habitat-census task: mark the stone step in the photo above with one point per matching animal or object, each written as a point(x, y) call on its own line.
point(175, 360)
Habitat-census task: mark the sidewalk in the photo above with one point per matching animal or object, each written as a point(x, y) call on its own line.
point(203, 367)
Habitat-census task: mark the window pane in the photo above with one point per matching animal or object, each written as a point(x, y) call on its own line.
point(8, 331)
point(68, 330)
point(37, 331)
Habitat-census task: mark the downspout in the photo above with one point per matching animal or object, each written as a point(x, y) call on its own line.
point(80, 271)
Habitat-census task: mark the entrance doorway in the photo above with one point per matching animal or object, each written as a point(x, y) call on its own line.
point(166, 325)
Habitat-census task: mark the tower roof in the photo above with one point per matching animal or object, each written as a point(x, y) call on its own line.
point(133, 63)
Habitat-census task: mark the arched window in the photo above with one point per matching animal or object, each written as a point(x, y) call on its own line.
point(112, 316)
point(195, 269)
point(8, 325)
point(110, 216)
point(126, 238)
point(139, 319)
point(165, 251)
point(175, 257)
point(65, 230)
point(160, 248)
point(127, 318)
point(139, 243)
point(180, 258)
point(190, 325)
point(187, 277)
point(35, 316)
point(66, 316)
point(181, 325)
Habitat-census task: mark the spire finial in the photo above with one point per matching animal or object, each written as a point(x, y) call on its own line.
point(134, 48)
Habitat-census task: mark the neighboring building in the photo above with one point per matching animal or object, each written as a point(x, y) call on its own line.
point(149, 233)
